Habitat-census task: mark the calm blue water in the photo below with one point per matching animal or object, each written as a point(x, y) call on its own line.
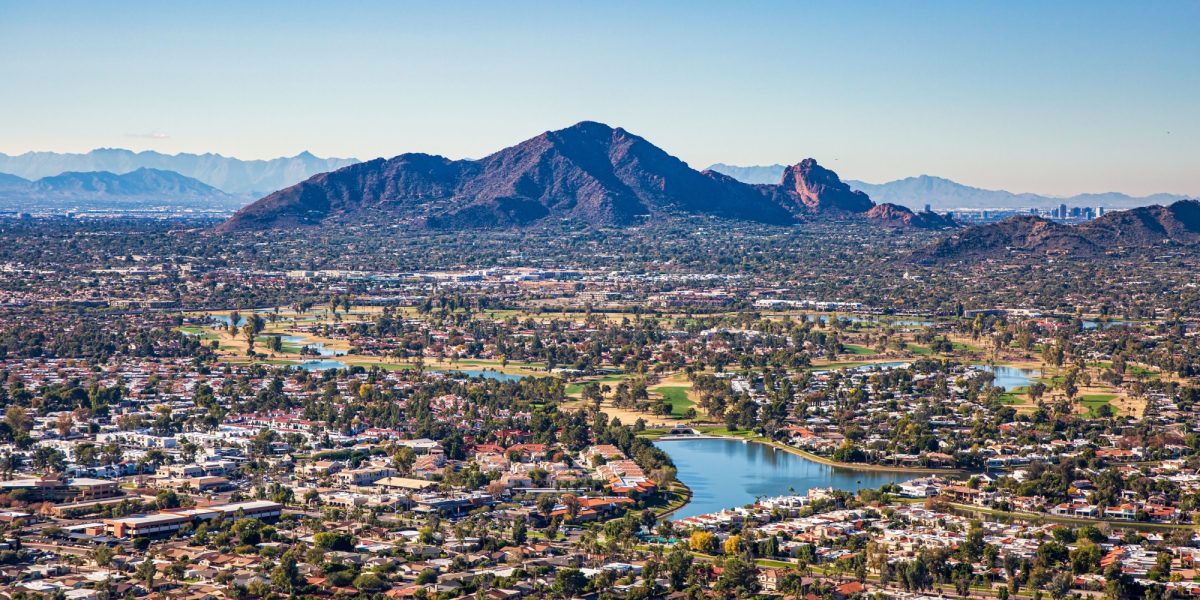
point(486, 374)
point(729, 473)
point(1108, 325)
point(224, 320)
point(911, 323)
point(322, 365)
point(318, 346)
point(891, 364)
point(1011, 378)
point(823, 319)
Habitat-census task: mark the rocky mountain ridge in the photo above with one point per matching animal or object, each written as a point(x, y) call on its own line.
point(1177, 224)
point(589, 172)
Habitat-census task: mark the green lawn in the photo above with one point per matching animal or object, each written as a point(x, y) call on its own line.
point(678, 399)
point(1015, 395)
point(577, 387)
point(198, 332)
point(723, 430)
point(857, 350)
point(1130, 370)
point(1093, 402)
point(392, 366)
point(833, 366)
point(919, 350)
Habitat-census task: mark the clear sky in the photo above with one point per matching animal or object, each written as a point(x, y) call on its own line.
point(1053, 97)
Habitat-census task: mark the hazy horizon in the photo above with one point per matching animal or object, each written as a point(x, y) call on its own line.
point(1061, 99)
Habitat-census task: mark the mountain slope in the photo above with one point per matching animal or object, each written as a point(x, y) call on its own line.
point(227, 174)
point(104, 190)
point(893, 215)
point(142, 182)
point(1142, 227)
point(588, 172)
point(12, 182)
point(811, 187)
point(767, 174)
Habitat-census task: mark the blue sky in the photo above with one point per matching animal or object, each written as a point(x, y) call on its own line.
point(1052, 97)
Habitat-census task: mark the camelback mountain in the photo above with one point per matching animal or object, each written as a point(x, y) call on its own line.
point(1144, 227)
point(589, 172)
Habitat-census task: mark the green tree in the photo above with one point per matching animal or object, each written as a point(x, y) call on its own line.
point(519, 531)
point(679, 566)
point(146, 571)
point(739, 578)
point(49, 460)
point(369, 582)
point(568, 583)
point(286, 575)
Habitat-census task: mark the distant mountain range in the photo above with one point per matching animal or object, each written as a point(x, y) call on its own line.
point(589, 173)
point(944, 194)
point(101, 189)
point(1145, 227)
point(248, 178)
point(765, 174)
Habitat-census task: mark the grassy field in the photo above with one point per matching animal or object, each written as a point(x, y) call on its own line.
point(1093, 402)
point(577, 387)
point(677, 397)
point(198, 332)
point(1015, 396)
point(857, 350)
point(833, 366)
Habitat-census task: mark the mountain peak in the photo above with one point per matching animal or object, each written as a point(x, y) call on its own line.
point(589, 172)
point(818, 188)
point(591, 127)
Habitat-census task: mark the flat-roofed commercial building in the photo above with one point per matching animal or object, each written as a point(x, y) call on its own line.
point(58, 489)
point(256, 509)
point(167, 523)
point(149, 525)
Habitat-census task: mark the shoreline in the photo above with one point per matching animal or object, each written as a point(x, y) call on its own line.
point(666, 514)
point(687, 494)
point(818, 459)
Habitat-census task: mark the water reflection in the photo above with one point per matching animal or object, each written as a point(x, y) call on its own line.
point(731, 473)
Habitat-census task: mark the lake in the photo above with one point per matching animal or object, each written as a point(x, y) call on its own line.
point(824, 319)
point(729, 473)
point(225, 320)
point(318, 347)
point(486, 374)
point(1010, 378)
point(1107, 325)
point(322, 365)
